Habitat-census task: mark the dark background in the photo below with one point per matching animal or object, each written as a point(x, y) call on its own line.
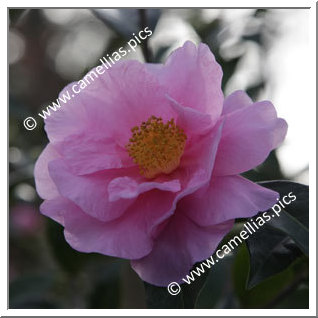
point(52, 47)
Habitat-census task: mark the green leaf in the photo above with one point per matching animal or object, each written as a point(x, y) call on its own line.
point(282, 240)
point(218, 292)
point(191, 292)
point(262, 295)
point(298, 299)
point(292, 227)
point(271, 251)
point(294, 217)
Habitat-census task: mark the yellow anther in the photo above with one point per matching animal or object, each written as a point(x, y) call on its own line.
point(156, 147)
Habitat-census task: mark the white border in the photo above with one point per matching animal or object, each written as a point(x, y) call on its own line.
point(157, 312)
point(312, 91)
point(165, 3)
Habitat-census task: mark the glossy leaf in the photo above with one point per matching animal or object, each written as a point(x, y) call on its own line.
point(284, 238)
point(268, 291)
point(271, 251)
point(217, 292)
point(294, 217)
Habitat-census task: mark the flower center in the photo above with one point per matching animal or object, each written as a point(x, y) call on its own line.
point(156, 146)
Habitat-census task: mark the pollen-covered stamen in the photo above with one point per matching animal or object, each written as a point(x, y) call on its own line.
point(156, 146)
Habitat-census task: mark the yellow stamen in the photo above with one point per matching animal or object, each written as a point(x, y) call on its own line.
point(156, 147)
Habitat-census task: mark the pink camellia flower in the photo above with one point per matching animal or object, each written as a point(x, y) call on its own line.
point(144, 163)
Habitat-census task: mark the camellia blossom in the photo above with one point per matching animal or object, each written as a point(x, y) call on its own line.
point(144, 163)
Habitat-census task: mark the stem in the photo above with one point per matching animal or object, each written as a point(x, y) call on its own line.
point(145, 47)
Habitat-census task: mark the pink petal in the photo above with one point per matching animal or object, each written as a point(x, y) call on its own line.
point(86, 154)
point(54, 209)
point(178, 247)
point(89, 192)
point(45, 187)
point(107, 195)
point(70, 118)
point(121, 98)
point(193, 78)
point(125, 237)
point(201, 151)
point(249, 134)
point(236, 101)
point(128, 188)
point(227, 198)
point(190, 120)
point(193, 173)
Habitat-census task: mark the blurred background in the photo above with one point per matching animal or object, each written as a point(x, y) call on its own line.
point(264, 52)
